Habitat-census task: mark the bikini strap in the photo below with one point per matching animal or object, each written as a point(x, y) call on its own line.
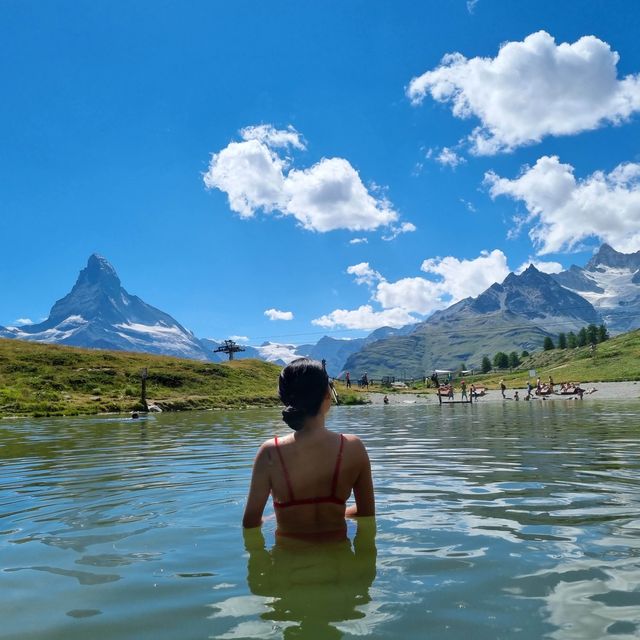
point(284, 470)
point(336, 471)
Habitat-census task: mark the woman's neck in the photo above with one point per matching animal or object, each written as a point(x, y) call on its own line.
point(312, 425)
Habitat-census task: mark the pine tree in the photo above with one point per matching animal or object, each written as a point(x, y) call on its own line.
point(501, 360)
point(486, 364)
point(514, 360)
point(592, 334)
point(548, 345)
point(562, 341)
point(603, 334)
point(572, 341)
point(524, 354)
point(582, 337)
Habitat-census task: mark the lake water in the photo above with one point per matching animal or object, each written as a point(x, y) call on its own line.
point(494, 521)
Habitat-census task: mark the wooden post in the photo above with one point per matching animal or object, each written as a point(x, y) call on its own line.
point(143, 391)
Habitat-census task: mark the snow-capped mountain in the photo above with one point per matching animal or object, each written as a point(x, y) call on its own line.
point(514, 315)
point(100, 313)
point(534, 296)
point(611, 283)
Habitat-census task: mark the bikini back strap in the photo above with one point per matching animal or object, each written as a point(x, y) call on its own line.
point(336, 471)
point(284, 470)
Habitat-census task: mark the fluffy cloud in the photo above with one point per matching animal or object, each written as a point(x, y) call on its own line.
point(540, 265)
point(449, 158)
point(532, 89)
point(405, 227)
point(365, 318)
point(463, 278)
point(364, 274)
point(453, 280)
point(564, 211)
point(358, 241)
point(273, 137)
point(276, 314)
point(23, 321)
point(242, 339)
point(250, 174)
point(416, 295)
point(328, 195)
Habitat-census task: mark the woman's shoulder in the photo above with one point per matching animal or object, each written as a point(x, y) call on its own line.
point(353, 442)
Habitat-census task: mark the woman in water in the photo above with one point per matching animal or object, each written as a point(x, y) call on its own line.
point(310, 473)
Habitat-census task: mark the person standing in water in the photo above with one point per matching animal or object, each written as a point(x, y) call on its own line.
point(311, 473)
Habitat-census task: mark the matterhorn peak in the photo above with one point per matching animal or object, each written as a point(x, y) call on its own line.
point(99, 271)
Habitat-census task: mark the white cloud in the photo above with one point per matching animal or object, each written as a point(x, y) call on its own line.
point(471, 5)
point(415, 295)
point(330, 195)
point(564, 211)
point(327, 196)
point(365, 318)
point(364, 274)
point(464, 278)
point(405, 227)
point(358, 241)
point(449, 158)
point(250, 174)
point(276, 314)
point(455, 279)
point(242, 339)
point(540, 265)
point(23, 321)
point(532, 89)
point(273, 137)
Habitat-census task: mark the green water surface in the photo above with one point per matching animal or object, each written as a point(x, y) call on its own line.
point(519, 520)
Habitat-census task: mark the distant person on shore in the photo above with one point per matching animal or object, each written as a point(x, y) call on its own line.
point(347, 377)
point(529, 388)
point(516, 396)
point(365, 380)
point(311, 473)
point(503, 388)
point(538, 385)
point(550, 384)
point(463, 389)
point(385, 399)
point(472, 391)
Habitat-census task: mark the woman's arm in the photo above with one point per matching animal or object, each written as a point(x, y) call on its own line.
point(363, 489)
point(258, 491)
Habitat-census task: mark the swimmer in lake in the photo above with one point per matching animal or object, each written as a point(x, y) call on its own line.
point(311, 473)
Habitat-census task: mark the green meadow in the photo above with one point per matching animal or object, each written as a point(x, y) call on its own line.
point(52, 380)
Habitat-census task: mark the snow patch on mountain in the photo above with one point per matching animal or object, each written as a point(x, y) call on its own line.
point(278, 353)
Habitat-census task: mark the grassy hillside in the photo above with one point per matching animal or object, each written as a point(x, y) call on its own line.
point(43, 379)
point(446, 344)
point(616, 360)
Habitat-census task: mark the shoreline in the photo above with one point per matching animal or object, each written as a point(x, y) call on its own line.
point(628, 390)
point(604, 390)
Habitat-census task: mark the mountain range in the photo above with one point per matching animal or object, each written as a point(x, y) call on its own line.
point(513, 315)
point(99, 313)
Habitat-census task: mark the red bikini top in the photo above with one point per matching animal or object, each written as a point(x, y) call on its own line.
point(332, 498)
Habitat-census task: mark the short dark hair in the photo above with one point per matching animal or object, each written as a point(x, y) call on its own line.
point(302, 387)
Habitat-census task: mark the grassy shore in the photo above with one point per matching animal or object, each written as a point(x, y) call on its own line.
point(615, 360)
point(50, 380)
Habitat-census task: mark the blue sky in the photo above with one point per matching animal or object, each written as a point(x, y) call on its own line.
point(224, 156)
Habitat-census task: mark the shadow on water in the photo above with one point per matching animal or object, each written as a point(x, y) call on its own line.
point(313, 587)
